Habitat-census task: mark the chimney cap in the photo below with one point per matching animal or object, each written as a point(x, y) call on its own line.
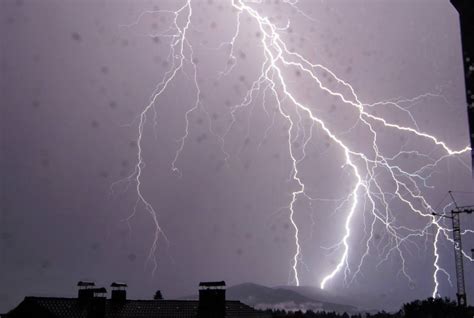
point(212, 285)
point(118, 284)
point(85, 284)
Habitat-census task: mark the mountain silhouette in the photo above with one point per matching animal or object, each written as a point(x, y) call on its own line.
point(291, 298)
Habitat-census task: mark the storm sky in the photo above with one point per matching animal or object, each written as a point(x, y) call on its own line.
point(76, 74)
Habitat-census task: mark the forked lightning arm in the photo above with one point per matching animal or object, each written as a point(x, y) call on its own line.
point(369, 169)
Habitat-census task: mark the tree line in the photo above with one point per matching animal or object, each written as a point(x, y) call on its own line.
point(428, 308)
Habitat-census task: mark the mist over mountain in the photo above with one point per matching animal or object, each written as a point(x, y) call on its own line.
point(290, 298)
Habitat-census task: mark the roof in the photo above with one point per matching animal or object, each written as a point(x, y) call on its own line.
point(50, 307)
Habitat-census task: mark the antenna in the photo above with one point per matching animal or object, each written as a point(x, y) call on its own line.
point(458, 253)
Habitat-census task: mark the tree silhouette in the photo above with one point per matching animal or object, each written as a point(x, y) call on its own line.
point(158, 295)
point(435, 308)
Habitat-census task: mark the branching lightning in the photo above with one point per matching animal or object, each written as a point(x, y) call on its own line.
point(369, 169)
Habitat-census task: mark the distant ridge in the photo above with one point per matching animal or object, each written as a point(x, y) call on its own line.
point(313, 292)
point(290, 298)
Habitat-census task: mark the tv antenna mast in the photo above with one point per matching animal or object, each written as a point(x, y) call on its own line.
point(455, 217)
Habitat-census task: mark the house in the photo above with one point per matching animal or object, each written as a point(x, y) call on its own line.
point(93, 303)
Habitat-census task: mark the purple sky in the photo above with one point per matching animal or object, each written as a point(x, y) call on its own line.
point(74, 79)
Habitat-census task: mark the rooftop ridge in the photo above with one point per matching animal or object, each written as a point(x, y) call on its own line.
point(128, 300)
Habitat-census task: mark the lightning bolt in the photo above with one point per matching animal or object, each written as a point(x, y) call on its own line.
point(379, 180)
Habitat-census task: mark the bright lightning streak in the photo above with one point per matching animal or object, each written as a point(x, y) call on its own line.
point(178, 44)
point(365, 167)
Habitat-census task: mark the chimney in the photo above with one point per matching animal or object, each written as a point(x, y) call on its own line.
point(96, 307)
point(119, 292)
point(211, 300)
point(86, 291)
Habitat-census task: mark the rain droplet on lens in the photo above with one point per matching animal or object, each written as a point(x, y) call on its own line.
point(76, 37)
point(103, 174)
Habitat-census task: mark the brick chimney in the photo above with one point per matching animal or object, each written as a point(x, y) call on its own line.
point(85, 292)
point(92, 298)
point(96, 307)
point(119, 292)
point(211, 300)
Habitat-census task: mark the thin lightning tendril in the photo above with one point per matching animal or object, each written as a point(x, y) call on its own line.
point(364, 167)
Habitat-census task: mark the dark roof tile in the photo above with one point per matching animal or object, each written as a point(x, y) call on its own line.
point(72, 308)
